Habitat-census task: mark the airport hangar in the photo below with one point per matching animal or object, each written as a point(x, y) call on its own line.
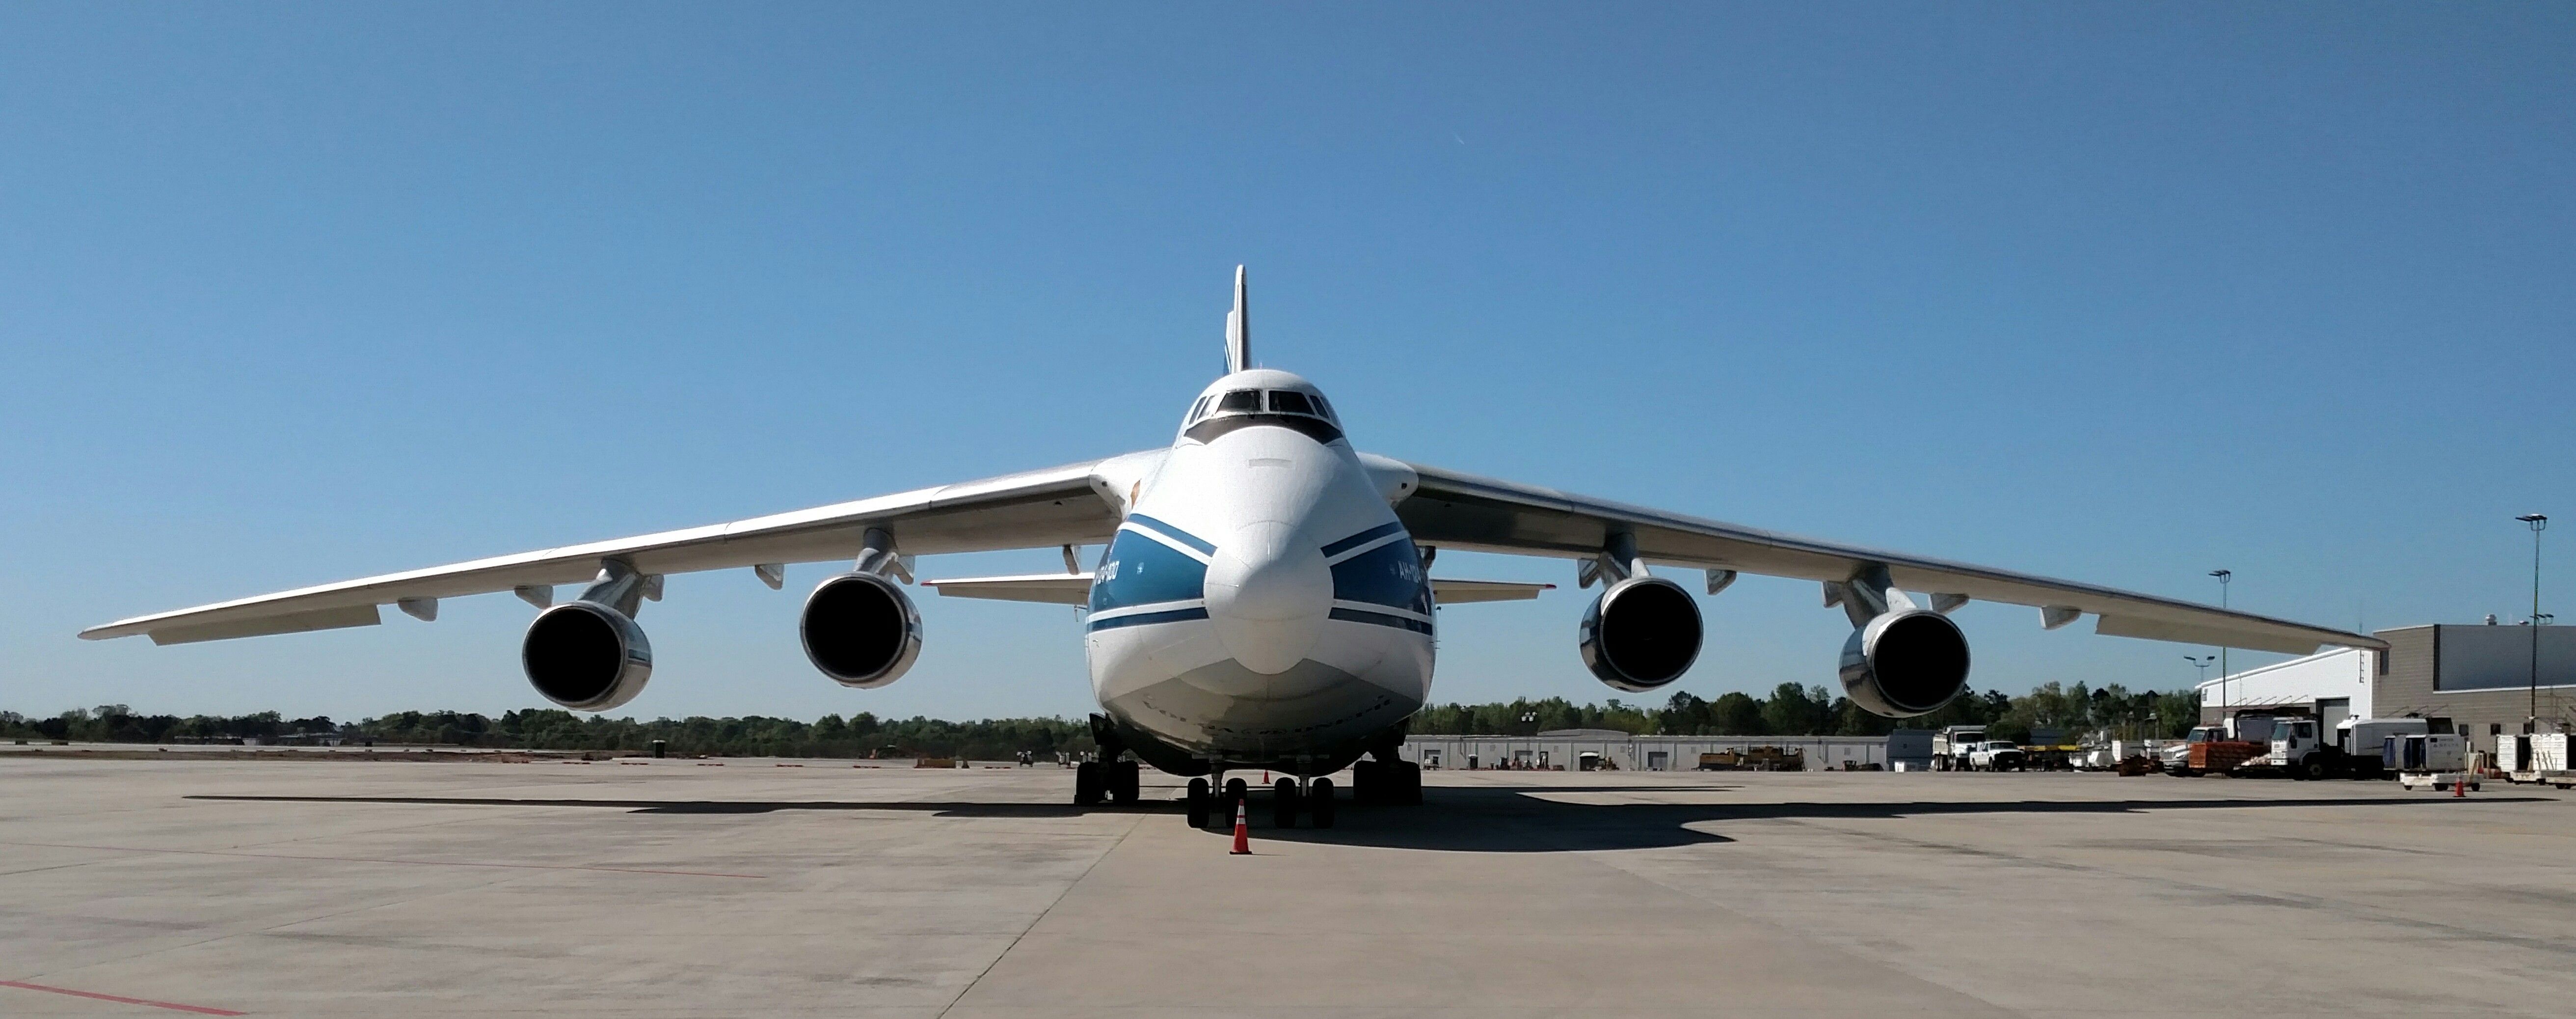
point(2476, 680)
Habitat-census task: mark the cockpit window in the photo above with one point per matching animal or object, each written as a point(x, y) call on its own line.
point(1289, 401)
point(1324, 409)
point(1198, 409)
point(1240, 400)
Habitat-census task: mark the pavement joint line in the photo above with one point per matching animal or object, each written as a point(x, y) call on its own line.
point(120, 999)
point(1040, 918)
point(372, 859)
point(2275, 899)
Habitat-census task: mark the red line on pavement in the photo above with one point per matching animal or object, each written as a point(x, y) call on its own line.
point(171, 1005)
point(370, 859)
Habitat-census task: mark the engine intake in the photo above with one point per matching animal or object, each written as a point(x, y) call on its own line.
point(586, 656)
point(1905, 663)
point(861, 630)
point(1642, 633)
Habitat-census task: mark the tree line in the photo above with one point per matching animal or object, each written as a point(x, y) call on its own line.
point(1790, 710)
point(1794, 710)
point(860, 735)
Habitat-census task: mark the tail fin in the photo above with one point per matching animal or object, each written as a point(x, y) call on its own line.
point(1238, 329)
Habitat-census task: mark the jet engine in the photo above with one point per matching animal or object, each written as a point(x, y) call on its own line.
point(1642, 633)
point(861, 630)
point(586, 656)
point(1905, 663)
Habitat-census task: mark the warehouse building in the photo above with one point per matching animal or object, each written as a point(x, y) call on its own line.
point(2475, 680)
point(1593, 749)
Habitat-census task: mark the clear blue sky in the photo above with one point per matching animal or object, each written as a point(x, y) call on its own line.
point(2123, 293)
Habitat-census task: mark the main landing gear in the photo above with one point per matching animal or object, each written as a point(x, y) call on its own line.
point(1094, 781)
point(1386, 783)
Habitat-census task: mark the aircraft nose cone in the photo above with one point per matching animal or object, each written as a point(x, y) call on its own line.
point(1268, 595)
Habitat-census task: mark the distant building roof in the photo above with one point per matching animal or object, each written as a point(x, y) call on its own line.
point(1585, 734)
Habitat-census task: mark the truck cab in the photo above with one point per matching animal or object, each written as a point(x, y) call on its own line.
point(2296, 748)
point(2177, 756)
point(1952, 746)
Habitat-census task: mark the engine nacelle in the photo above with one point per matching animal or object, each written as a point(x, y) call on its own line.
point(1905, 663)
point(861, 630)
point(1642, 633)
point(586, 656)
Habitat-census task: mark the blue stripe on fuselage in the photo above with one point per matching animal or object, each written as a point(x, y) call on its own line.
point(1380, 619)
point(1148, 618)
point(1389, 575)
point(1142, 571)
point(1363, 538)
point(1174, 533)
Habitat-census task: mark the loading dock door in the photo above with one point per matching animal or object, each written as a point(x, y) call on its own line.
point(2331, 711)
point(1659, 760)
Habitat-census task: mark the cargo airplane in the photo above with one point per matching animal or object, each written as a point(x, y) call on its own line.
point(1262, 600)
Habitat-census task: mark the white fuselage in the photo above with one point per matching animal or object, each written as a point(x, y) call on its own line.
point(1260, 603)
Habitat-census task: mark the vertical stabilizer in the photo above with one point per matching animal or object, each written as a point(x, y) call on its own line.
point(1238, 329)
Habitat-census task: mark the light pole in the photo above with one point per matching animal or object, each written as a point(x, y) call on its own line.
point(2539, 523)
point(2223, 577)
point(2202, 663)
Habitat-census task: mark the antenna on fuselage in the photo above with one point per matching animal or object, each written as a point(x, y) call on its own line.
point(1238, 329)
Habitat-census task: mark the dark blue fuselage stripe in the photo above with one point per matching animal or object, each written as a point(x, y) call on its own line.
point(1147, 618)
point(1174, 533)
point(1375, 619)
point(1362, 538)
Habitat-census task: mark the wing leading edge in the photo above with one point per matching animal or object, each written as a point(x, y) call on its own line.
point(1455, 510)
point(1065, 505)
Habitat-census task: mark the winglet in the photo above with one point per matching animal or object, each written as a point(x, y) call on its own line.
point(1238, 329)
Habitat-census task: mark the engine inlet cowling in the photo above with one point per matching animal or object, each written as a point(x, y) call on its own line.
point(1905, 663)
point(586, 656)
point(861, 630)
point(1642, 633)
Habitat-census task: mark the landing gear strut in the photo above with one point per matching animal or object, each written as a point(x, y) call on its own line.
point(1109, 777)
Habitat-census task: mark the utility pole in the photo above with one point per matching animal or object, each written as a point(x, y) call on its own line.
point(2539, 523)
point(2223, 577)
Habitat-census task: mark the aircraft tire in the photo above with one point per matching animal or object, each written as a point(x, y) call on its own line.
point(1198, 801)
point(1366, 779)
point(1319, 802)
point(1126, 780)
point(1283, 803)
point(1086, 784)
point(1411, 789)
point(1235, 794)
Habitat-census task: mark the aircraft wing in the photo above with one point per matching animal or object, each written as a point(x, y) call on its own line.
point(1058, 506)
point(1454, 510)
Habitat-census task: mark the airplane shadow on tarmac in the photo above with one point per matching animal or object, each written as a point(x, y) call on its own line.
point(1473, 820)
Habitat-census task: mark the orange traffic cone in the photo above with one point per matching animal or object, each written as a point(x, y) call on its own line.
point(2459, 788)
point(1242, 832)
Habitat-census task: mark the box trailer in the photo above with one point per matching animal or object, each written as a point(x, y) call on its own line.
point(2535, 757)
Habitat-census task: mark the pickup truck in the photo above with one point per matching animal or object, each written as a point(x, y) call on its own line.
point(1998, 755)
